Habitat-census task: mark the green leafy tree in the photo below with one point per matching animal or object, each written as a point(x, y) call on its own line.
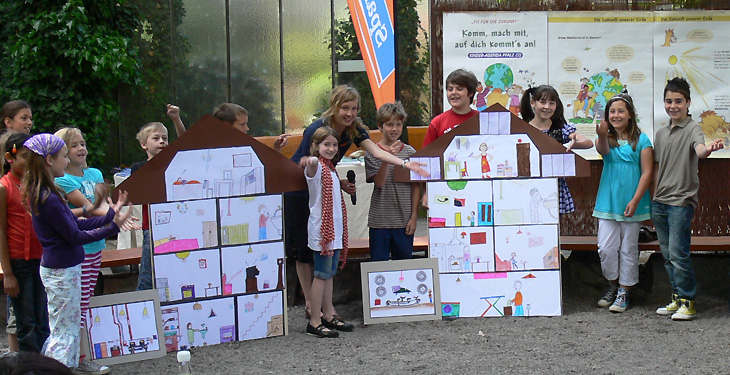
point(68, 59)
point(412, 65)
point(162, 51)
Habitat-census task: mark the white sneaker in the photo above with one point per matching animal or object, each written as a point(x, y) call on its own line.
point(87, 367)
point(671, 308)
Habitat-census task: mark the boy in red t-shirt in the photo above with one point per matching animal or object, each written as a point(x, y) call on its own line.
point(461, 86)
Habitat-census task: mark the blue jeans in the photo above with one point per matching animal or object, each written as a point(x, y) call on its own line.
point(325, 267)
point(385, 242)
point(31, 309)
point(144, 280)
point(673, 229)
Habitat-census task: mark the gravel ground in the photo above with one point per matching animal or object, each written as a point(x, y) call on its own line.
point(585, 340)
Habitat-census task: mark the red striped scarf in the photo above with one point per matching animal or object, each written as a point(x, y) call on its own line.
point(327, 229)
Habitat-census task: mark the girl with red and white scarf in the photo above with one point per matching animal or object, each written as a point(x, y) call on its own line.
point(327, 231)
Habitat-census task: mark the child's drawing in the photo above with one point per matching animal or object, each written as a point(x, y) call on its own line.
point(558, 165)
point(462, 249)
point(201, 323)
point(218, 172)
point(181, 226)
point(494, 123)
point(122, 329)
point(253, 268)
point(260, 315)
point(188, 275)
point(484, 158)
point(491, 156)
point(400, 290)
point(460, 203)
point(497, 294)
point(531, 247)
point(519, 202)
point(250, 219)
point(432, 165)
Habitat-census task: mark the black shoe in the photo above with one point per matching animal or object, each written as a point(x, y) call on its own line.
point(338, 324)
point(320, 331)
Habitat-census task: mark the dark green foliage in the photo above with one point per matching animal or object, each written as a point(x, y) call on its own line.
point(67, 59)
point(412, 65)
point(161, 51)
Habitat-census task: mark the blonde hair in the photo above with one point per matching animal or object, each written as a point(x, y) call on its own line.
point(388, 111)
point(147, 129)
point(319, 136)
point(229, 112)
point(339, 96)
point(67, 134)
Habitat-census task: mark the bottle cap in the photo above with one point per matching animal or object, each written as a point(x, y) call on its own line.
point(183, 356)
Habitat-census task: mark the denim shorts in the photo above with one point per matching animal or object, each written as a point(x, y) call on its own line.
point(325, 267)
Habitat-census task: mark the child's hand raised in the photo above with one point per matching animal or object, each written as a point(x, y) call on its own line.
point(173, 111)
point(602, 128)
point(715, 145)
point(281, 141)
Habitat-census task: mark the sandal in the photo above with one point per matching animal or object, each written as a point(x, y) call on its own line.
point(338, 324)
point(320, 331)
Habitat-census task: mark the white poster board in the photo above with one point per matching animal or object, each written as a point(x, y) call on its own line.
point(601, 54)
point(505, 50)
point(694, 45)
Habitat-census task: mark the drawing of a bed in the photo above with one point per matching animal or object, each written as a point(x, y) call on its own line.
point(183, 189)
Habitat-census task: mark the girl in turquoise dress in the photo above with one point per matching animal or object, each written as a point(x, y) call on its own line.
point(623, 198)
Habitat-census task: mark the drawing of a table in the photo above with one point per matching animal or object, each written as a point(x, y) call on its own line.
point(492, 302)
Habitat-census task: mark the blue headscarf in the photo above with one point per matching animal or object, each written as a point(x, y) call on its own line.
point(44, 144)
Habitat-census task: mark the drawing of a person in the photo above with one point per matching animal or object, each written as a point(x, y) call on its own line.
point(471, 218)
point(535, 205)
point(515, 93)
point(263, 218)
point(191, 334)
point(517, 301)
point(485, 159)
point(513, 260)
point(481, 102)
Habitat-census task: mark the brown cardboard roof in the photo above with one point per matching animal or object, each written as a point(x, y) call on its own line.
point(147, 184)
point(544, 143)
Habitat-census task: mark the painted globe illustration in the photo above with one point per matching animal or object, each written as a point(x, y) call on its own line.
point(605, 85)
point(499, 76)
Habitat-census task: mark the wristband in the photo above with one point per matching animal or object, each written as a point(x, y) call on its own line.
point(83, 209)
point(404, 164)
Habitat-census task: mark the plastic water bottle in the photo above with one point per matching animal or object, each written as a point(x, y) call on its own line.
point(183, 357)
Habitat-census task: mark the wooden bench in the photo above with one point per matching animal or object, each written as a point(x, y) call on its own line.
point(590, 243)
point(113, 258)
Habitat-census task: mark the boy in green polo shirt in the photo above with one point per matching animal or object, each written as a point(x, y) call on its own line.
point(678, 146)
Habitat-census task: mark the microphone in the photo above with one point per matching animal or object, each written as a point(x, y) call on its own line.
point(351, 179)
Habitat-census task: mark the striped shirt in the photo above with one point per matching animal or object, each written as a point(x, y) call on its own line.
point(390, 206)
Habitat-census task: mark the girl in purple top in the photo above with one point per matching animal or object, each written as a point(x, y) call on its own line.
point(62, 236)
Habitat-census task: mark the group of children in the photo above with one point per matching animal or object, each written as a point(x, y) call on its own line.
point(53, 222)
point(53, 218)
point(623, 199)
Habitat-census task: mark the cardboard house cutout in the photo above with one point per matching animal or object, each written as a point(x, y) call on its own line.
point(493, 215)
point(216, 224)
